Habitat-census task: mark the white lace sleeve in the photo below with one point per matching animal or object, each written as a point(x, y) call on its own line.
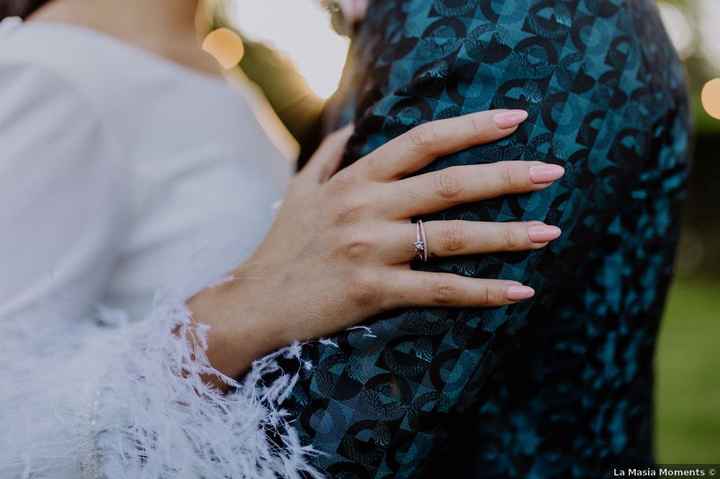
point(102, 396)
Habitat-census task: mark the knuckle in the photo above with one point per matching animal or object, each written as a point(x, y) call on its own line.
point(355, 247)
point(453, 237)
point(349, 210)
point(422, 136)
point(444, 292)
point(486, 296)
point(511, 239)
point(364, 290)
point(478, 123)
point(447, 184)
point(372, 164)
point(492, 296)
point(507, 178)
point(497, 295)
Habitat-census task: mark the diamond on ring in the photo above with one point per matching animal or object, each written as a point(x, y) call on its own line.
point(421, 249)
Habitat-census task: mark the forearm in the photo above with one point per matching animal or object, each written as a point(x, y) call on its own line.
point(241, 329)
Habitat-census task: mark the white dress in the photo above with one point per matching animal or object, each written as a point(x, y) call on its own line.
point(127, 183)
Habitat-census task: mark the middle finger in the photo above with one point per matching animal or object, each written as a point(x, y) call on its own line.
point(443, 189)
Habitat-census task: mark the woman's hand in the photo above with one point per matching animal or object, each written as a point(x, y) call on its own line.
point(341, 246)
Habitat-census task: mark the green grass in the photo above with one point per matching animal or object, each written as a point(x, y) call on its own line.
point(688, 366)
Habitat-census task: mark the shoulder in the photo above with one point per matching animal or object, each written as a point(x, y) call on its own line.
point(47, 116)
point(41, 46)
point(53, 76)
point(38, 92)
point(65, 57)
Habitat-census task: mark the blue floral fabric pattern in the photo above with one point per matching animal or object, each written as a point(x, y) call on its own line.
point(561, 386)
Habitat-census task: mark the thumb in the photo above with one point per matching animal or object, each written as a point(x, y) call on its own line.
point(326, 160)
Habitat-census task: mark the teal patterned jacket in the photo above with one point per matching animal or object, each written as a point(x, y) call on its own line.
point(559, 387)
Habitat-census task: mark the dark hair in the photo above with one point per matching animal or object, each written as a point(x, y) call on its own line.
point(19, 8)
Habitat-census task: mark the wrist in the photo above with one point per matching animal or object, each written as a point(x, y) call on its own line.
point(237, 333)
point(254, 291)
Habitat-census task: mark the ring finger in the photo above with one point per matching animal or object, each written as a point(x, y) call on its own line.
point(456, 238)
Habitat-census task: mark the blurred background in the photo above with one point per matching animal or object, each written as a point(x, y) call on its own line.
point(688, 364)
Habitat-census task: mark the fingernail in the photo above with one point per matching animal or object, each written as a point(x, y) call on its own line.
point(543, 233)
point(546, 173)
point(519, 293)
point(510, 119)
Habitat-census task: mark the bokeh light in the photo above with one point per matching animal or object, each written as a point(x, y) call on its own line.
point(318, 52)
point(226, 46)
point(711, 98)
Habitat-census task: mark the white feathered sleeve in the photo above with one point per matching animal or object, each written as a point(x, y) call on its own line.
point(94, 396)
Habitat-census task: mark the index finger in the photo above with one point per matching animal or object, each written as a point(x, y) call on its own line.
point(418, 147)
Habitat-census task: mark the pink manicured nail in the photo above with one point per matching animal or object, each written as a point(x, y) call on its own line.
point(510, 119)
point(543, 233)
point(519, 293)
point(546, 173)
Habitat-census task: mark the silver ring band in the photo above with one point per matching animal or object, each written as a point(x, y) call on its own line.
point(421, 244)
